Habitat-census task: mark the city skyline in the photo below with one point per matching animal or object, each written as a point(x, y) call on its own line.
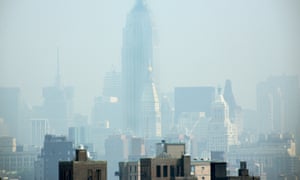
point(105, 84)
point(210, 40)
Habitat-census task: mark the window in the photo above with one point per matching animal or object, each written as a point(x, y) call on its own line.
point(90, 174)
point(165, 171)
point(98, 174)
point(172, 171)
point(158, 171)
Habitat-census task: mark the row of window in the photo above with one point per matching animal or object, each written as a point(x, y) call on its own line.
point(166, 169)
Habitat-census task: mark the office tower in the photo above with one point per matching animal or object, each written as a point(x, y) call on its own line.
point(8, 144)
point(222, 133)
point(13, 113)
point(58, 105)
point(278, 104)
point(137, 64)
point(167, 115)
point(10, 101)
point(78, 135)
point(136, 148)
point(3, 128)
point(82, 168)
point(193, 99)
point(112, 84)
point(107, 112)
point(116, 149)
point(56, 148)
point(39, 128)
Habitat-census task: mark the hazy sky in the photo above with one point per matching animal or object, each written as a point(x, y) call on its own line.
point(201, 42)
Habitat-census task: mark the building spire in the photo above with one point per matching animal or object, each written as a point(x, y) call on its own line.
point(58, 78)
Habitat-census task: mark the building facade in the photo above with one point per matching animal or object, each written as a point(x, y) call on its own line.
point(272, 157)
point(56, 148)
point(39, 128)
point(222, 132)
point(82, 168)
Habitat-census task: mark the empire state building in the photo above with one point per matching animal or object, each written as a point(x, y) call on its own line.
point(141, 113)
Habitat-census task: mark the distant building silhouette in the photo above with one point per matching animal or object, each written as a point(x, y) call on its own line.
point(107, 111)
point(137, 148)
point(278, 104)
point(139, 94)
point(39, 128)
point(116, 149)
point(112, 84)
point(78, 135)
point(167, 115)
point(14, 114)
point(222, 133)
point(58, 105)
point(193, 99)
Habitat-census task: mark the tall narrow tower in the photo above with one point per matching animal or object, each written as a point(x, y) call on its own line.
point(137, 58)
point(58, 104)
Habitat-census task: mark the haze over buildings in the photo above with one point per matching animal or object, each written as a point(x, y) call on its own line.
point(117, 81)
point(203, 41)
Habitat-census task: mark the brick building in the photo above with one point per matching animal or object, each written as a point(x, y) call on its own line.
point(82, 168)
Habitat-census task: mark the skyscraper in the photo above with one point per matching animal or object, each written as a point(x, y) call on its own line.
point(58, 105)
point(278, 103)
point(56, 148)
point(222, 133)
point(137, 64)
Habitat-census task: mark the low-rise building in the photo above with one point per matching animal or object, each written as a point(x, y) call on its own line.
point(82, 168)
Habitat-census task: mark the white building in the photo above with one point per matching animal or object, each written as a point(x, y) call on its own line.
point(39, 128)
point(222, 132)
